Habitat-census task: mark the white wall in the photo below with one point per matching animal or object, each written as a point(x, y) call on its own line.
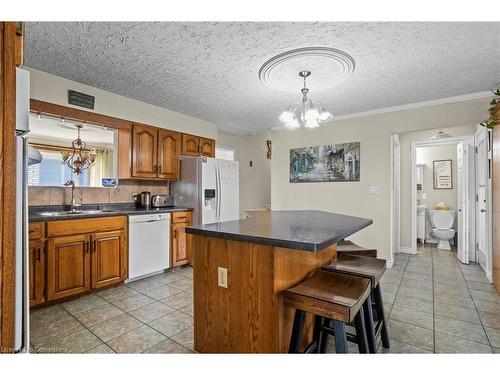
point(433, 196)
point(255, 181)
point(54, 89)
point(373, 132)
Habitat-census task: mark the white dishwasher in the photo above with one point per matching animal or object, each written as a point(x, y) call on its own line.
point(148, 245)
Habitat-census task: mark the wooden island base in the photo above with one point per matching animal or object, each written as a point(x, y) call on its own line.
point(249, 315)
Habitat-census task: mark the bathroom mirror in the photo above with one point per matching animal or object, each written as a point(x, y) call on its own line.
point(53, 137)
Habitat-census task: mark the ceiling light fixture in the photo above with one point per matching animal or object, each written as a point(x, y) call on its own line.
point(78, 158)
point(440, 135)
point(306, 113)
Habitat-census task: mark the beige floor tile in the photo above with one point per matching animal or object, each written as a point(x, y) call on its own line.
point(494, 336)
point(167, 277)
point(98, 315)
point(398, 347)
point(179, 300)
point(168, 346)
point(57, 329)
point(163, 291)
point(151, 312)
point(410, 316)
point(115, 294)
point(485, 296)
point(144, 284)
point(173, 323)
point(100, 349)
point(115, 327)
point(185, 284)
point(414, 303)
point(457, 313)
point(189, 309)
point(450, 299)
point(464, 330)
point(185, 338)
point(131, 303)
point(451, 289)
point(85, 303)
point(78, 342)
point(452, 344)
point(410, 334)
point(485, 306)
point(490, 320)
point(481, 287)
point(136, 341)
point(424, 294)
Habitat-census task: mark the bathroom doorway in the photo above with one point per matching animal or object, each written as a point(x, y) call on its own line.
point(443, 192)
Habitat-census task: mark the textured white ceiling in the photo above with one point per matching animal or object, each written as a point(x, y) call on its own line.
point(210, 70)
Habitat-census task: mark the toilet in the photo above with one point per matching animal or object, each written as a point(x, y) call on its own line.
point(442, 227)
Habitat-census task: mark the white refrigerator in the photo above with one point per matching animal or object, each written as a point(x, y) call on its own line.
point(211, 187)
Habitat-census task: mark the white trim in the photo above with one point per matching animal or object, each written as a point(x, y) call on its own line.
point(406, 250)
point(429, 143)
point(395, 193)
point(405, 107)
point(389, 263)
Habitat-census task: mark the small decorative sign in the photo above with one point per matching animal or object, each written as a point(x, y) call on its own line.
point(80, 99)
point(442, 174)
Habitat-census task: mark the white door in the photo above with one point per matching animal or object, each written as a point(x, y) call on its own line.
point(482, 191)
point(229, 190)
point(464, 153)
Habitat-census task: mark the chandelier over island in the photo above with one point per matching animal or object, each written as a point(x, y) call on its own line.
point(306, 113)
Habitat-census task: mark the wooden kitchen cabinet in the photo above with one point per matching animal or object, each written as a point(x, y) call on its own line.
point(36, 272)
point(197, 146)
point(169, 144)
point(144, 151)
point(109, 258)
point(180, 254)
point(154, 153)
point(68, 266)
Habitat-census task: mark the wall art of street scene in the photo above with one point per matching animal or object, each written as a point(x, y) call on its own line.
point(328, 163)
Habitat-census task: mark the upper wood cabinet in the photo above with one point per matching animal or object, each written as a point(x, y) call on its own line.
point(109, 258)
point(154, 153)
point(169, 144)
point(144, 151)
point(197, 146)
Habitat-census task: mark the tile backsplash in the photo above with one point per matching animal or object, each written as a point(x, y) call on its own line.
point(54, 195)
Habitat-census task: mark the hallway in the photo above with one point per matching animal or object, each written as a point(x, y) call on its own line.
point(436, 304)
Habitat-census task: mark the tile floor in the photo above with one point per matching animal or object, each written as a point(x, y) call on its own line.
point(434, 305)
point(154, 315)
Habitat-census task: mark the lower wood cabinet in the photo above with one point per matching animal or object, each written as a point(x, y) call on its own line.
point(77, 256)
point(180, 254)
point(109, 258)
point(68, 266)
point(36, 272)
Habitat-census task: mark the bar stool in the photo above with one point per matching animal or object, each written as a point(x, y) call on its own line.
point(349, 247)
point(333, 296)
point(371, 269)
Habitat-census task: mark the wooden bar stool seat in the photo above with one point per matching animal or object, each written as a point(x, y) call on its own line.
point(373, 270)
point(333, 296)
point(349, 247)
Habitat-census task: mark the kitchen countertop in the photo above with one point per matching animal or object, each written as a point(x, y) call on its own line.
point(302, 230)
point(110, 209)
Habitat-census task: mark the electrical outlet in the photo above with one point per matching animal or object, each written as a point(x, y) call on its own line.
point(222, 277)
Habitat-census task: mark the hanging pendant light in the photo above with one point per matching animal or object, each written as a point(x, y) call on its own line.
point(306, 113)
point(78, 158)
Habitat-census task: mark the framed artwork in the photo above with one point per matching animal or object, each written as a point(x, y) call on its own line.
point(327, 163)
point(442, 174)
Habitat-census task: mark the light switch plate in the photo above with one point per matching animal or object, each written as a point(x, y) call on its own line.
point(222, 277)
point(375, 189)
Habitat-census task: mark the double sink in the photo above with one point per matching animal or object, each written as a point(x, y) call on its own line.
point(75, 212)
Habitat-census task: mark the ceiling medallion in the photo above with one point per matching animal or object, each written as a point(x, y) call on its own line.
point(330, 66)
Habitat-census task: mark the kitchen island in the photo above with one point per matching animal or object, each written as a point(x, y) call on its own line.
point(242, 267)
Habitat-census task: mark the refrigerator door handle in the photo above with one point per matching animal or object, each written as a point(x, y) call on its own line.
point(219, 192)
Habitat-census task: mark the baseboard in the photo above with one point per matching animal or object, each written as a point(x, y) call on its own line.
point(489, 276)
point(389, 263)
point(405, 250)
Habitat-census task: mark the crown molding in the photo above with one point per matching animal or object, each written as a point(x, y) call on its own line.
point(405, 107)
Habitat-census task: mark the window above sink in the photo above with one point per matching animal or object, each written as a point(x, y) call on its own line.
point(52, 137)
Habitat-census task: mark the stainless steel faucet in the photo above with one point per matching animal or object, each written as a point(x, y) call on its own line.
point(74, 205)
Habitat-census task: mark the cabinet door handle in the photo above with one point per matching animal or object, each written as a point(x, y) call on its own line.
point(38, 254)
